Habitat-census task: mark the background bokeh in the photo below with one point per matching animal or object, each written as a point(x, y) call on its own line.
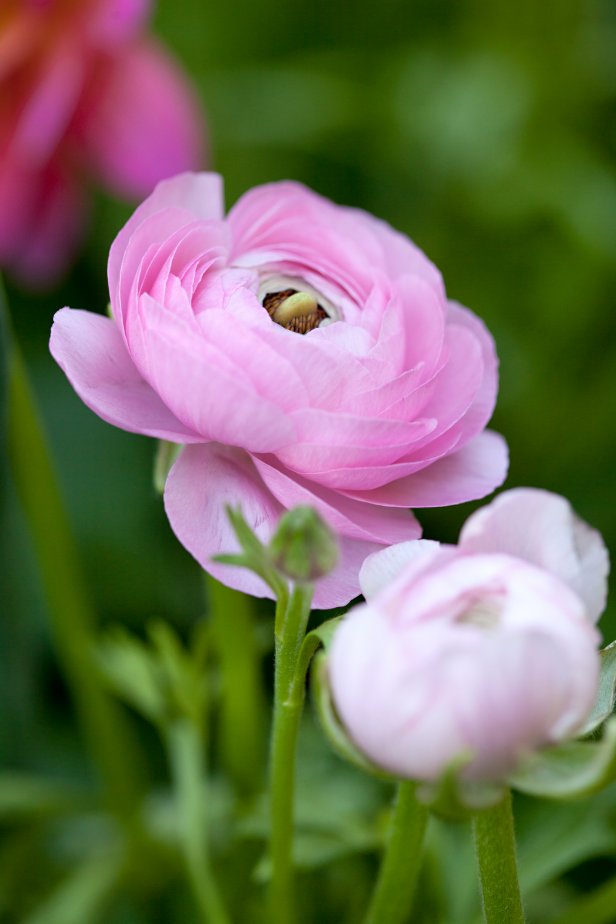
point(483, 129)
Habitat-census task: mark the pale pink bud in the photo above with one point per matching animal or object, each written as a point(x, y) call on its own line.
point(471, 655)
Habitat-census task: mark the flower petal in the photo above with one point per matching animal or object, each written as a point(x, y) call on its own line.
point(382, 568)
point(184, 198)
point(541, 528)
point(90, 350)
point(468, 474)
point(347, 517)
point(207, 478)
point(141, 123)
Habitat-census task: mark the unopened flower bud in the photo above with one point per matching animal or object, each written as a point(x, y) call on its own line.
point(303, 547)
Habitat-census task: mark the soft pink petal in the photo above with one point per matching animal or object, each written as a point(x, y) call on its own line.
point(288, 222)
point(199, 383)
point(485, 399)
point(382, 568)
point(142, 122)
point(179, 200)
point(541, 528)
point(347, 517)
point(469, 474)
point(208, 477)
point(90, 350)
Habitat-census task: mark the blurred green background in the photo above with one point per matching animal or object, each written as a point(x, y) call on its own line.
point(486, 131)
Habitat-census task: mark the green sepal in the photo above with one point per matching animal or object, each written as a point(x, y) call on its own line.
point(455, 799)
point(330, 723)
point(253, 555)
point(606, 694)
point(569, 771)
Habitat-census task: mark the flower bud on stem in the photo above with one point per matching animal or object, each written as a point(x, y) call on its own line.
point(498, 868)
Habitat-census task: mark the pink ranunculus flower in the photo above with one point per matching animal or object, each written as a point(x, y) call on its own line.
point(304, 353)
point(83, 91)
point(487, 649)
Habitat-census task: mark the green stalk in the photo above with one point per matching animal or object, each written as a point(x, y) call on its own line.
point(186, 748)
point(288, 703)
point(392, 898)
point(242, 726)
point(71, 614)
point(498, 869)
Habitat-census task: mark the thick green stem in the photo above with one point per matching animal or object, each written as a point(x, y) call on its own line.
point(242, 725)
point(71, 614)
point(186, 748)
point(288, 703)
point(392, 898)
point(498, 868)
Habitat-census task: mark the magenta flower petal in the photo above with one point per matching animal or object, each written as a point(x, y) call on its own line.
point(82, 88)
point(142, 122)
point(40, 246)
point(90, 350)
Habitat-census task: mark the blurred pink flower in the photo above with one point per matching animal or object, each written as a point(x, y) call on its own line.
point(305, 353)
point(486, 649)
point(82, 93)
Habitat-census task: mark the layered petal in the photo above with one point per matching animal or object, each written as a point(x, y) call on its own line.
point(90, 350)
point(207, 478)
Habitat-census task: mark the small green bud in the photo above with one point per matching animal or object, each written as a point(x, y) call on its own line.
point(303, 547)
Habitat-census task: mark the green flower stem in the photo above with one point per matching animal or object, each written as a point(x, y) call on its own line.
point(498, 868)
point(595, 908)
point(243, 719)
point(288, 703)
point(186, 749)
point(71, 614)
point(392, 898)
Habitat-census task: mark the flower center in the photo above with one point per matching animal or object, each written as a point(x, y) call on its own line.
point(294, 310)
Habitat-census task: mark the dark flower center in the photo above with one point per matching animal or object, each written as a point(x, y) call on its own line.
point(294, 310)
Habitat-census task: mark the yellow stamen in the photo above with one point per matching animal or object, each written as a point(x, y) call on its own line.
point(298, 305)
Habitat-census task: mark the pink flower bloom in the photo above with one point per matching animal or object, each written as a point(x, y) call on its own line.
point(304, 353)
point(486, 649)
point(82, 91)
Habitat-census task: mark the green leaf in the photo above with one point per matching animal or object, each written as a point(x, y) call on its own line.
point(132, 672)
point(606, 694)
point(570, 771)
point(24, 796)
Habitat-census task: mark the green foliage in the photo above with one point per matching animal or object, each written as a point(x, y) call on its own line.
point(485, 132)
